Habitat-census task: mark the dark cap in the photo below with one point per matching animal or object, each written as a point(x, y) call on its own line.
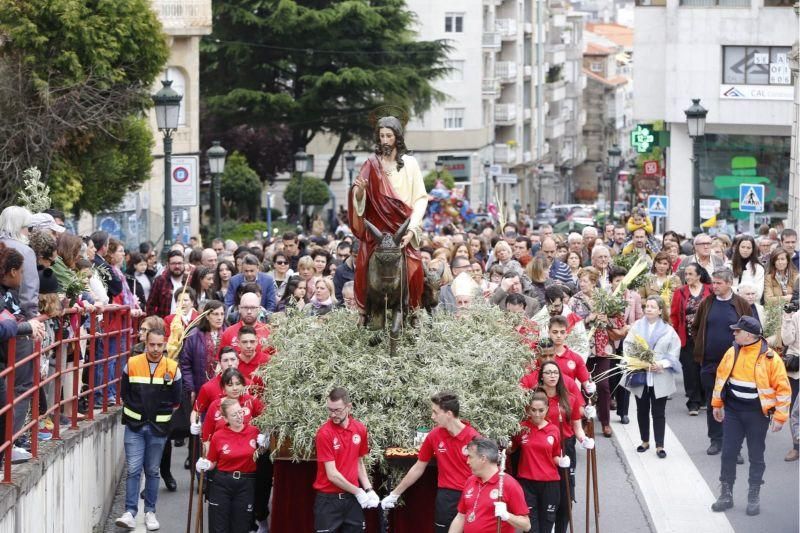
point(748, 324)
point(48, 283)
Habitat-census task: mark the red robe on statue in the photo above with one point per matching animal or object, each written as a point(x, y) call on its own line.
point(387, 213)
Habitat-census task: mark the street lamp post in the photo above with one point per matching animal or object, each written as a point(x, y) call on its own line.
point(614, 160)
point(350, 164)
point(696, 124)
point(300, 166)
point(439, 166)
point(167, 105)
point(486, 167)
point(216, 162)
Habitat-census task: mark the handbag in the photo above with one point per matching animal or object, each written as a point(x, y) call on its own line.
point(792, 362)
point(636, 379)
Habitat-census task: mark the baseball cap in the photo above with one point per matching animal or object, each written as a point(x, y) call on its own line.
point(748, 324)
point(43, 221)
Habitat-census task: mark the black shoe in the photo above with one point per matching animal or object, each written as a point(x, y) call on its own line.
point(661, 453)
point(141, 495)
point(643, 447)
point(170, 482)
point(624, 419)
point(187, 464)
point(725, 500)
point(179, 442)
point(753, 500)
point(714, 449)
point(739, 459)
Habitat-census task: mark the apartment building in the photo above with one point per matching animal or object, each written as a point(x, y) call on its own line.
point(733, 55)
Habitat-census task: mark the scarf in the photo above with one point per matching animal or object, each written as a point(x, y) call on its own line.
point(317, 304)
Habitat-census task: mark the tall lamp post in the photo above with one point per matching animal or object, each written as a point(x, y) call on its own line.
point(300, 166)
point(486, 167)
point(216, 162)
point(167, 104)
point(350, 164)
point(696, 123)
point(614, 160)
point(439, 167)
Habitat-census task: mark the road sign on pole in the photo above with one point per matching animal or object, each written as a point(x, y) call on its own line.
point(657, 206)
point(751, 198)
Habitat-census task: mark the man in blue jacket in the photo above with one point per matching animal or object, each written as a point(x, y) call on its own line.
point(251, 273)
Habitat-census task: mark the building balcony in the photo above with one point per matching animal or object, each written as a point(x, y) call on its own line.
point(554, 129)
point(491, 40)
point(492, 2)
point(527, 157)
point(527, 113)
point(490, 87)
point(556, 91)
point(507, 28)
point(555, 54)
point(505, 154)
point(575, 88)
point(527, 71)
point(505, 114)
point(558, 20)
point(184, 17)
point(506, 71)
point(527, 28)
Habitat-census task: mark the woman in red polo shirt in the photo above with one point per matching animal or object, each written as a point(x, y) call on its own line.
point(232, 451)
point(540, 456)
point(233, 385)
point(564, 411)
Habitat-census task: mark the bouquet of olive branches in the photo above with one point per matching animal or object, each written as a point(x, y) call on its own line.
point(628, 262)
point(773, 317)
point(607, 302)
point(637, 356)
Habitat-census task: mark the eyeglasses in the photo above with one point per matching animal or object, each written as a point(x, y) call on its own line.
point(550, 373)
point(702, 244)
point(338, 411)
point(281, 263)
point(248, 308)
point(144, 330)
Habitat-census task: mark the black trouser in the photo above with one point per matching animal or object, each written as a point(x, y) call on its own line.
point(542, 499)
point(23, 380)
point(707, 378)
point(263, 486)
point(739, 424)
point(338, 513)
point(644, 405)
point(691, 377)
point(166, 460)
point(232, 500)
point(446, 509)
point(563, 512)
point(619, 393)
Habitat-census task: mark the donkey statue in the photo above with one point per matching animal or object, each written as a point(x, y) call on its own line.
point(387, 283)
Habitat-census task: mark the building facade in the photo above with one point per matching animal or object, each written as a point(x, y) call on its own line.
point(734, 56)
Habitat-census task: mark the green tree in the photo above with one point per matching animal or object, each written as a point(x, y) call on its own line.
point(75, 77)
point(315, 191)
point(431, 177)
point(241, 188)
point(316, 66)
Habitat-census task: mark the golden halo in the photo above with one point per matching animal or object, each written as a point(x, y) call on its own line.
point(388, 110)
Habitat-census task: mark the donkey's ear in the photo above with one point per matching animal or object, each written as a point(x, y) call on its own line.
point(378, 235)
point(401, 231)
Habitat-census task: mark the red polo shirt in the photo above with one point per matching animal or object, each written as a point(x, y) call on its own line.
point(248, 367)
point(344, 446)
point(537, 447)
point(233, 450)
point(554, 411)
point(229, 338)
point(210, 391)
point(214, 421)
point(450, 453)
point(531, 380)
point(477, 503)
point(572, 366)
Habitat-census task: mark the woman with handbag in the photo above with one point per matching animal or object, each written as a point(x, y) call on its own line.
point(651, 387)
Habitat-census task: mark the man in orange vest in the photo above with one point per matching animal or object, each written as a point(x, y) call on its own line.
point(151, 391)
point(751, 387)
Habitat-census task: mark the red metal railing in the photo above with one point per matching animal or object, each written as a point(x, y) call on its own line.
point(116, 323)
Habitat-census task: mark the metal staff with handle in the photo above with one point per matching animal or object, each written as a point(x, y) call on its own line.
point(563, 451)
point(192, 459)
point(591, 474)
point(502, 475)
point(198, 524)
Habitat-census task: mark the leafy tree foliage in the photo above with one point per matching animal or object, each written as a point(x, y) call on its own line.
point(241, 188)
point(316, 66)
point(74, 75)
point(432, 177)
point(315, 192)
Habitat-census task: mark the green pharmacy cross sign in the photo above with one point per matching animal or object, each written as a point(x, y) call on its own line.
point(642, 138)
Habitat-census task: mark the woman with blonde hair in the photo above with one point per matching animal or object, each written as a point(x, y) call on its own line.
point(323, 300)
point(538, 272)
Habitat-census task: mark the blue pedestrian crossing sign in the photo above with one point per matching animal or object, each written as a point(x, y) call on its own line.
point(751, 198)
point(657, 206)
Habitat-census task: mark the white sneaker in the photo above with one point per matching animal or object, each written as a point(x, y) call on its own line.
point(20, 455)
point(150, 521)
point(126, 520)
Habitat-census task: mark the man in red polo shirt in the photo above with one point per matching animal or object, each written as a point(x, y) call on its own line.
point(250, 358)
point(571, 364)
point(341, 445)
point(481, 503)
point(447, 442)
point(249, 307)
point(212, 389)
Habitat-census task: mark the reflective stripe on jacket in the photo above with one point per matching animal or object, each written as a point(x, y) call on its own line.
point(150, 398)
point(771, 382)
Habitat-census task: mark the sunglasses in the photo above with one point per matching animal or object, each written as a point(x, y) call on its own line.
point(281, 263)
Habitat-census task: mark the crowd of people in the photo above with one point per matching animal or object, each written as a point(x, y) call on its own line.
point(702, 310)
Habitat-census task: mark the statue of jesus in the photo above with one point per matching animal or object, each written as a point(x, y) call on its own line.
point(388, 191)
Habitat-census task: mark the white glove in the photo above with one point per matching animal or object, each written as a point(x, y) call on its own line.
point(587, 443)
point(563, 461)
point(261, 440)
point(501, 511)
point(374, 499)
point(202, 465)
point(196, 428)
point(590, 411)
point(590, 387)
point(363, 498)
point(390, 501)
